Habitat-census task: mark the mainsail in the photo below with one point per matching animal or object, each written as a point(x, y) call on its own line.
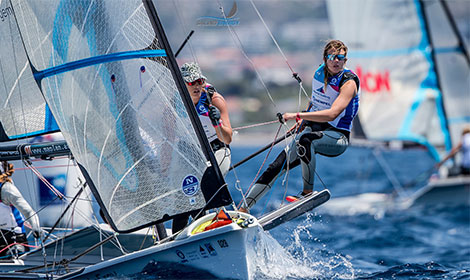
point(110, 79)
point(414, 70)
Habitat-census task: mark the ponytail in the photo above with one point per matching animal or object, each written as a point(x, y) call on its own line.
point(8, 170)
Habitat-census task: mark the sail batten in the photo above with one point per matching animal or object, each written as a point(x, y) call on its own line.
point(70, 66)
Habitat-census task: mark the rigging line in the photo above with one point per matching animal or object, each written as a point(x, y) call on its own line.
point(260, 168)
point(288, 134)
point(285, 181)
point(278, 47)
point(49, 166)
point(377, 152)
point(184, 43)
point(96, 225)
point(46, 182)
point(254, 125)
point(242, 50)
point(271, 34)
point(54, 190)
point(63, 214)
point(185, 27)
point(323, 183)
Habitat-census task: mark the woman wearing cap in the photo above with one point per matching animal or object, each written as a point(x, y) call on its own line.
point(326, 123)
point(213, 113)
point(212, 110)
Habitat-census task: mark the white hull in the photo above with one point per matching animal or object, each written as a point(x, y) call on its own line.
point(223, 252)
point(451, 190)
point(73, 244)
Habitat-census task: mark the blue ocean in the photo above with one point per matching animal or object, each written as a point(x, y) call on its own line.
point(353, 236)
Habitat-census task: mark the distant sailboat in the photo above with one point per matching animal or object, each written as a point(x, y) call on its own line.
point(415, 75)
point(103, 73)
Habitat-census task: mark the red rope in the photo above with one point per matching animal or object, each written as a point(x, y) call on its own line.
point(49, 166)
point(23, 244)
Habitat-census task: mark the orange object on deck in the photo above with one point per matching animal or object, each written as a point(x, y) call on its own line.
point(221, 219)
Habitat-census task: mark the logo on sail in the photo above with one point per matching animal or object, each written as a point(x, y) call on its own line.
point(190, 185)
point(228, 20)
point(374, 82)
point(5, 12)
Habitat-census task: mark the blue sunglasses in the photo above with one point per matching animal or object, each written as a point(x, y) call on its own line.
point(332, 57)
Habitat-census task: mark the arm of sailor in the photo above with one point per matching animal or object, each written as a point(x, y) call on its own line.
point(346, 94)
point(11, 196)
point(451, 154)
point(224, 131)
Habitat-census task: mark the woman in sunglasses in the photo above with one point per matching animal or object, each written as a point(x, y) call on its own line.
point(212, 110)
point(323, 128)
point(213, 113)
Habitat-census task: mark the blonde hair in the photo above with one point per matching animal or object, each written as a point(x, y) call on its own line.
point(337, 46)
point(7, 172)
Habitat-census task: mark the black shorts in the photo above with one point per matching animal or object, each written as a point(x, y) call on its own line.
point(8, 237)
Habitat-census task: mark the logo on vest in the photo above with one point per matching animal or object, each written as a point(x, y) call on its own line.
point(202, 109)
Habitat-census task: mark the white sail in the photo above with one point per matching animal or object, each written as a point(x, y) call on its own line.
point(110, 88)
point(23, 112)
point(414, 74)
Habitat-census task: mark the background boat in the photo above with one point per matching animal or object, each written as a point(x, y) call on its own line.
point(414, 68)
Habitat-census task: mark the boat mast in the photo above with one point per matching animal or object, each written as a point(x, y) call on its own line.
point(424, 16)
point(215, 187)
point(456, 31)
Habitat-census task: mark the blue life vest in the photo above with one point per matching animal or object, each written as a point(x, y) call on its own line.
point(202, 108)
point(322, 98)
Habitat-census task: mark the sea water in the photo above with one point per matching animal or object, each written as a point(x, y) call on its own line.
point(357, 237)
